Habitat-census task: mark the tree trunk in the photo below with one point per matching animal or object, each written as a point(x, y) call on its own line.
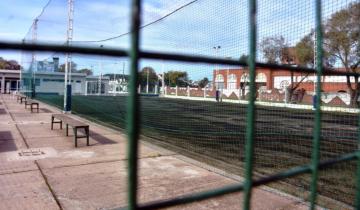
point(289, 94)
point(354, 92)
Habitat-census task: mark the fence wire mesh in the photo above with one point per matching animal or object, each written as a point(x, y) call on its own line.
point(199, 110)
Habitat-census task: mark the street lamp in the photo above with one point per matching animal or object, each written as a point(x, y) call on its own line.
point(216, 48)
point(99, 86)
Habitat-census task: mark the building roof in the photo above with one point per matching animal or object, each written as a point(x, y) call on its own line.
point(9, 71)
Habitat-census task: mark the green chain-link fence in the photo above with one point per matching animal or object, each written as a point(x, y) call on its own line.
point(265, 142)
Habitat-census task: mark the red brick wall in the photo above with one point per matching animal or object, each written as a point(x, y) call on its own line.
point(308, 86)
point(197, 93)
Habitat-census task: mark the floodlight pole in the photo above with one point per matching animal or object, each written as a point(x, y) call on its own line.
point(67, 79)
point(216, 48)
point(227, 75)
point(33, 59)
point(19, 87)
point(101, 70)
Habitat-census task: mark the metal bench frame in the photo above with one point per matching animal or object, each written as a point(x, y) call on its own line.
point(32, 103)
point(70, 121)
point(20, 98)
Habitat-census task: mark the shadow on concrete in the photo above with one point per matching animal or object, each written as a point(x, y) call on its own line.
point(44, 110)
point(2, 111)
point(7, 143)
point(101, 139)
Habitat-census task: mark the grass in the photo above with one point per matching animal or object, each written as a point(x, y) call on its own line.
point(214, 134)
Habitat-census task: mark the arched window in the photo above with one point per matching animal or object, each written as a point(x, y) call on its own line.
point(244, 77)
point(219, 81)
point(231, 81)
point(260, 77)
point(219, 78)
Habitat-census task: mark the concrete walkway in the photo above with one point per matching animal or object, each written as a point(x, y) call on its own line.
point(56, 175)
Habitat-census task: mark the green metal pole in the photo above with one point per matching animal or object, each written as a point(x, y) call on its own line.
point(133, 107)
point(250, 118)
point(317, 127)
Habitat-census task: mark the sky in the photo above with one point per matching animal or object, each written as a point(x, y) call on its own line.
point(195, 29)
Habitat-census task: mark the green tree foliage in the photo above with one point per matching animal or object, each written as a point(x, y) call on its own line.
point(204, 82)
point(342, 35)
point(86, 71)
point(73, 67)
point(304, 51)
point(9, 64)
point(272, 48)
point(148, 73)
point(276, 50)
point(244, 58)
point(176, 78)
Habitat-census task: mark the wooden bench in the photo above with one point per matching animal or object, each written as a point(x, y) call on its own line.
point(32, 105)
point(20, 98)
point(75, 124)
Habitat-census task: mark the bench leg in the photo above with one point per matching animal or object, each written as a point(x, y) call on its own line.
point(75, 136)
point(35, 106)
point(67, 130)
point(52, 122)
point(87, 135)
point(60, 124)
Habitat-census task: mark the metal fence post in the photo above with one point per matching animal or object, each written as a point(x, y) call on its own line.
point(317, 126)
point(133, 107)
point(250, 127)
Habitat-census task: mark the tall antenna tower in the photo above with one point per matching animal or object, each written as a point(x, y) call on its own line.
point(69, 37)
point(33, 58)
point(34, 39)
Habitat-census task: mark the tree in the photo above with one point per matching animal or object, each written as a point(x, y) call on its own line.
point(341, 33)
point(9, 64)
point(73, 67)
point(148, 74)
point(304, 51)
point(244, 58)
point(204, 82)
point(177, 78)
point(276, 50)
point(85, 71)
point(273, 48)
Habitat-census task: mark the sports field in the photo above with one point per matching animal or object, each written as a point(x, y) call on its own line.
point(214, 133)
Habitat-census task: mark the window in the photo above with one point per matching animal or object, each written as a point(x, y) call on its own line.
point(260, 77)
point(219, 81)
point(231, 82)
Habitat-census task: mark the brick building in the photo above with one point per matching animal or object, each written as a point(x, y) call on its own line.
point(266, 79)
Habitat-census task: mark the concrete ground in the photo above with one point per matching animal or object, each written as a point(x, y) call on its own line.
point(41, 169)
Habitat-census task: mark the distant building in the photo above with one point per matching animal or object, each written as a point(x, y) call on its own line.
point(53, 82)
point(48, 66)
point(118, 86)
point(9, 80)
